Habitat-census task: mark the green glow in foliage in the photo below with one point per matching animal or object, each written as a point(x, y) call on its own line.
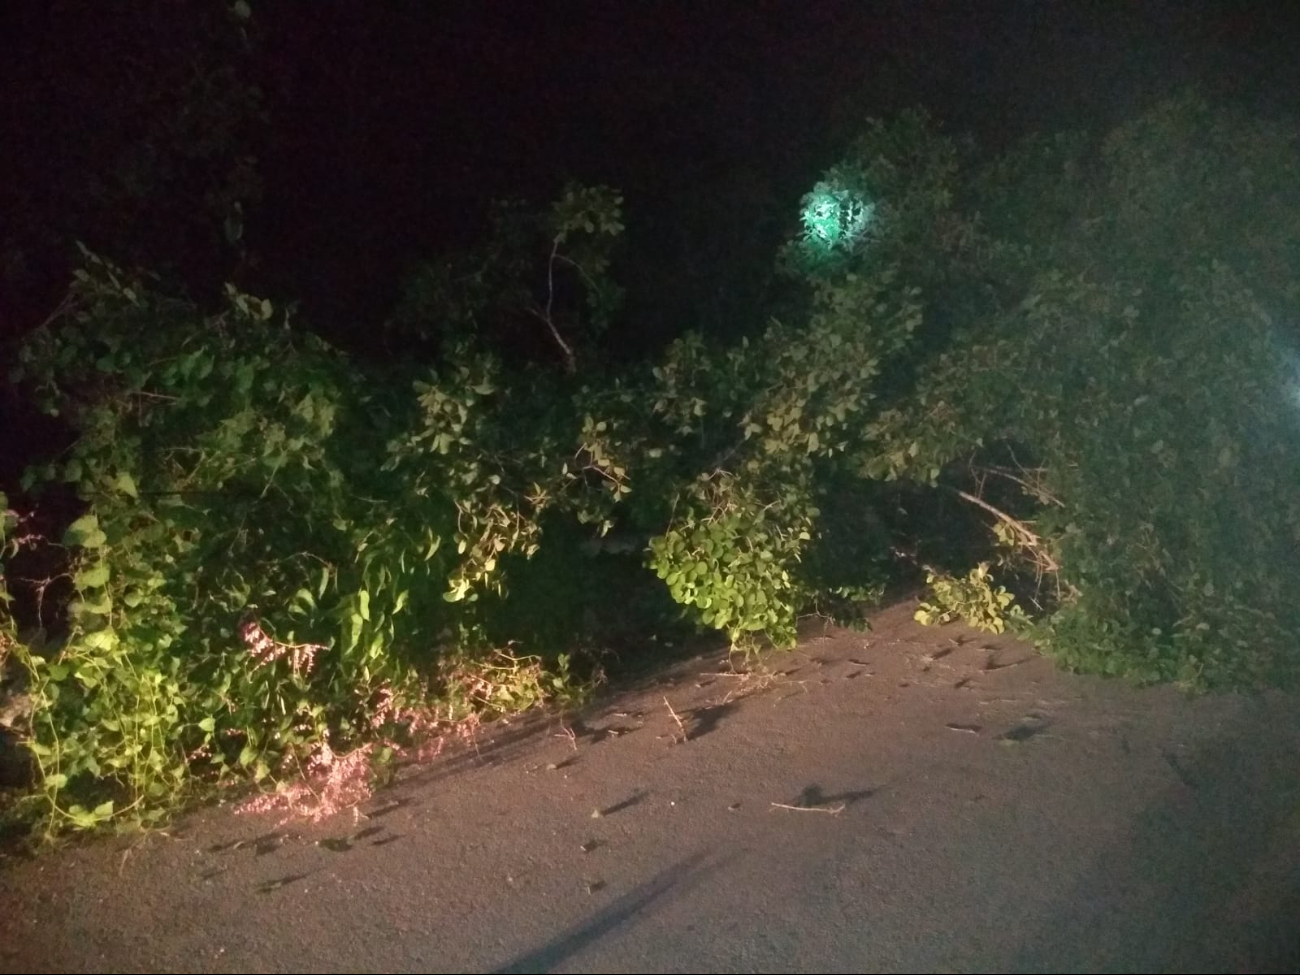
point(835, 218)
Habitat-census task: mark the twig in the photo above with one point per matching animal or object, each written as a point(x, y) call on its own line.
point(681, 727)
point(992, 663)
point(569, 733)
point(1028, 537)
point(834, 810)
point(62, 307)
point(570, 361)
point(1033, 489)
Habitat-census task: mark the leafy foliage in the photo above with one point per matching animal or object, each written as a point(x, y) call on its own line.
point(251, 583)
point(834, 218)
point(973, 599)
point(789, 407)
point(1136, 380)
point(283, 553)
point(541, 274)
point(8, 630)
point(892, 194)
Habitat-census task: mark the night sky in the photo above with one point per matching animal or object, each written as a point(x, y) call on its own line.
point(389, 126)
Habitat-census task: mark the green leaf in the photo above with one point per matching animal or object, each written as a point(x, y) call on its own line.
point(125, 483)
point(100, 640)
point(208, 724)
point(92, 578)
point(85, 527)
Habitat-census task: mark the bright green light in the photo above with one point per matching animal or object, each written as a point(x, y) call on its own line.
point(835, 218)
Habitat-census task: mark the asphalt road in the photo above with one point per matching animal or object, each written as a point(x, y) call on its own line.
point(905, 800)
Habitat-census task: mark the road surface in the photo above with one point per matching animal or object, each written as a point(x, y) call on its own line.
point(902, 800)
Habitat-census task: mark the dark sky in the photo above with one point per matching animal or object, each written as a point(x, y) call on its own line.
point(391, 124)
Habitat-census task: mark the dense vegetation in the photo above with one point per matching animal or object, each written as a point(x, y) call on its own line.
point(282, 552)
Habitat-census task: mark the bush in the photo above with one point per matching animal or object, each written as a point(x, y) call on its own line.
point(278, 554)
point(1137, 381)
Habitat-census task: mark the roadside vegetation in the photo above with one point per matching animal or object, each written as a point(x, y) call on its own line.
point(1060, 389)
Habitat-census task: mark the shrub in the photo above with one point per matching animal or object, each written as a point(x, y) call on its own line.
point(1134, 387)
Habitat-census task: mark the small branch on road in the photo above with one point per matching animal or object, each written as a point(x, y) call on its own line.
point(834, 810)
point(569, 734)
point(681, 727)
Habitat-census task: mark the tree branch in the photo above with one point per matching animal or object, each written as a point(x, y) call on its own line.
point(570, 361)
point(1029, 486)
point(1028, 537)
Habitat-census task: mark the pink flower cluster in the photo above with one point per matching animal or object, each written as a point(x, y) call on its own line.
point(265, 649)
point(333, 783)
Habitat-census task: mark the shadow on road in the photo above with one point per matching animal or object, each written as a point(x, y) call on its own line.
point(1208, 879)
point(814, 795)
point(628, 908)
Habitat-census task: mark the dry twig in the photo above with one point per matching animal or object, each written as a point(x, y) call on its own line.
point(681, 727)
point(834, 810)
